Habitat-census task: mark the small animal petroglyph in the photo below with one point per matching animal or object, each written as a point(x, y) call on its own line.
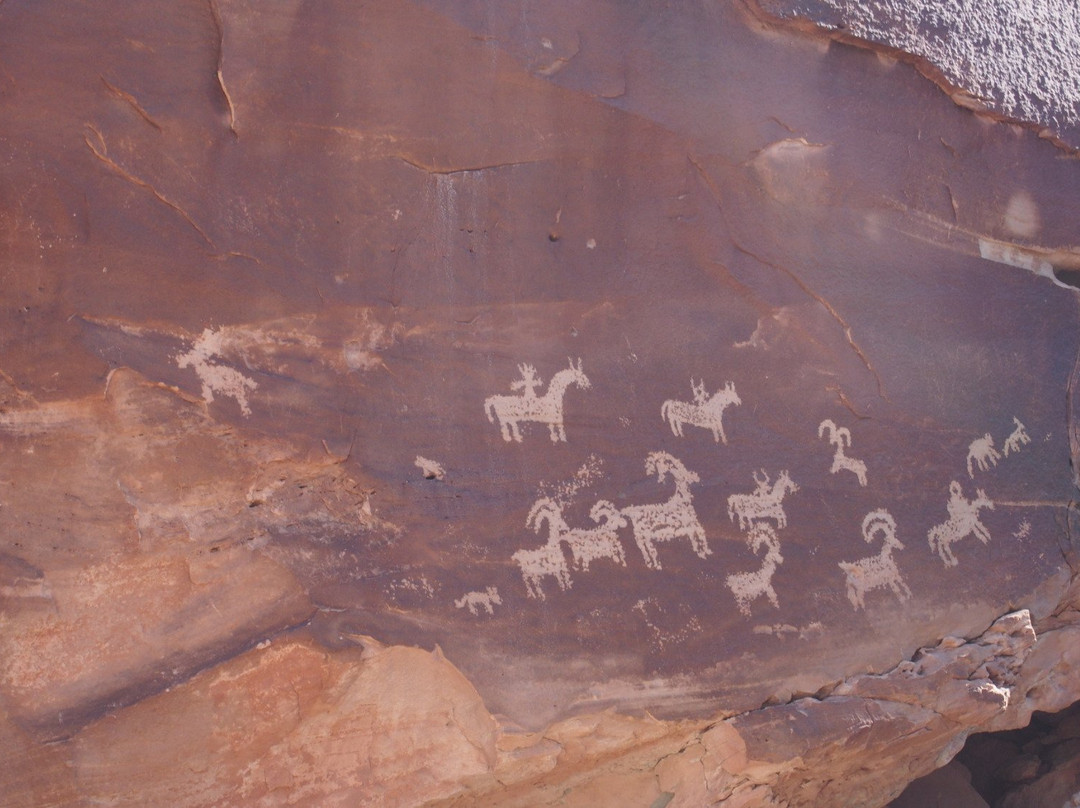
point(540, 562)
point(704, 411)
point(749, 586)
point(475, 601)
point(510, 411)
point(963, 521)
point(665, 521)
point(764, 502)
point(586, 544)
point(840, 437)
point(429, 468)
point(981, 452)
point(878, 570)
point(214, 376)
point(1018, 438)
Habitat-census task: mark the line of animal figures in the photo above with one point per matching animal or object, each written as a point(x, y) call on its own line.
point(654, 523)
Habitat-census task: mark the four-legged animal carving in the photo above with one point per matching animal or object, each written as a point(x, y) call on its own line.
point(665, 521)
point(704, 411)
point(840, 437)
point(878, 570)
point(1018, 438)
point(537, 563)
point(586, 544)
point(486, 600)
point(749, 586)
point(963, 521)
point(764, 502)
point(510, 411)
point(982, 453)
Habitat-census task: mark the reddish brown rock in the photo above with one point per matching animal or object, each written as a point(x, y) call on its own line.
point(677, 373)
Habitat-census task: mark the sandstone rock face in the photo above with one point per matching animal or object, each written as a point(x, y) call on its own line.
point(438, 403)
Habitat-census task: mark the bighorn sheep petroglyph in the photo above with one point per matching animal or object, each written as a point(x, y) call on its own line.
point(749, 586)
point(665, 521)
point(840, 437)
point(879, 570)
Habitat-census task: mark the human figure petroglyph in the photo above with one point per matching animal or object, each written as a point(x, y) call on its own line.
point(981, 452)
point(963, 521)
point(840, 437)
point(540, 562)
point(764, 502)
point(510, 411)
point(879, 570)
point(749, 586)
point(704, 411)
point(1018, 438)
point(475, 601)
point(586, 544)
point(665, 521)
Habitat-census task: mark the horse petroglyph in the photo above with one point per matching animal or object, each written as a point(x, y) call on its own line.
point(764, 502)
point(981, 452)
point(475, 601)
point(704, 411)
point(665, 521)
point(586, 544)
point(510, 411)
point(840, 437)
point(879, 570)
point(1018, 438)
point(749, 586)
point(963, 521)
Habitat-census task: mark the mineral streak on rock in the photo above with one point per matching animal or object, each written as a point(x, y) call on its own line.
point(346, 450)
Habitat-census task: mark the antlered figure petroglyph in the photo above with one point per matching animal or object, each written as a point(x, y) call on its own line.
point(703, 411)
point(475, 601)
point(840, 437)
point(963, 521)
point(586, 544)
point(529, 407)
point(982, 453)
point(764, 502)
point(540, 562)
point(879, 570)
point(749, 586)
point(1018, 438)
point(664, 521)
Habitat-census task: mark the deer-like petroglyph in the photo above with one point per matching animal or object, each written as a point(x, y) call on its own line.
point(963, 521)
point(215, 377)
point(876, 571)
point(704, 411)
point(586, 544)
point(665, 521)
point(475, 601)
point(511, 411)
point(840, 437)
point(749, 586)
point(764, 502)
point(982, 454)
point(1018, 438)
point(536, 564)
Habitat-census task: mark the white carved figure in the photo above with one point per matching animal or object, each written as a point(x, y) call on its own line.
point(963, 521)
point(664, 521)
point(475, 601)
point(537, 563)
point(749, 586)
point(429, 468)
point(704, 411)
point(840, 437)
point(1018, 438)
point(764, 502)
point(982, 453)
point(879, 570)
point(586, 544)
point(529, 407)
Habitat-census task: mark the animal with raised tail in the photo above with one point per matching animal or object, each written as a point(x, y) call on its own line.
point(1018, 438)
point(666, 521)
point(981, 452)
point(840, 437)
point(511, 411)
point(749, 586)
point(963, 521)
point(704, 411)
point(879, 570)
point(764, 502)
point(475, 601)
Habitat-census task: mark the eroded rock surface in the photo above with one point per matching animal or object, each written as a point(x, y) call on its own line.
point(423, 403)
